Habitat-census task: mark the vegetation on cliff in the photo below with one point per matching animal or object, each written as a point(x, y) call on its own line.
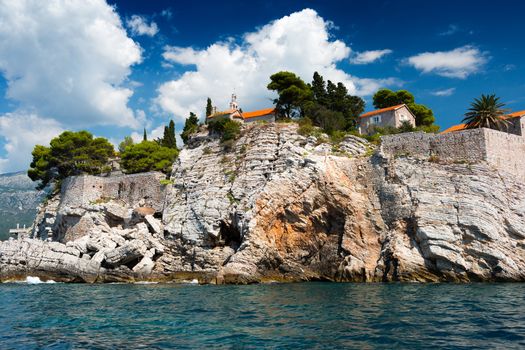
point(148, 156)
point(71, 153)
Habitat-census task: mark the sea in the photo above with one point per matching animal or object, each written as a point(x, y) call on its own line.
point(272, 316)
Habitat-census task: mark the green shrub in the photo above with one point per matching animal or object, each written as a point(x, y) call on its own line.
point(71, 153)
point(227, 128)
point(148, 156)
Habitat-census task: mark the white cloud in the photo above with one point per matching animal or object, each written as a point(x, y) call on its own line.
point(22, 131)
point(366, 57)
point(458, 63)
point(166, 13)
point(245, 68)
point(452, 29)
point(68, 59)
point(139, 26)
point(445, 92)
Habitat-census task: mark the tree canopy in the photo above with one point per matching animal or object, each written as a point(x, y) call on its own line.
point(294, 94)
point(71, 153)
point(128, 141)
point(191, 125)
point(148, 156)
point(335, 98)
point(486, 112)
point(169, 140)
point(384, 98)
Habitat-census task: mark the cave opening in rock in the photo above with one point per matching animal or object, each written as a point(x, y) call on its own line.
point(229, 234)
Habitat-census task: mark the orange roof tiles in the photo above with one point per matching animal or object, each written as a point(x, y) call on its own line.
point(454, 128)
point(506, 116)
point(259, 113)
point(379, 111)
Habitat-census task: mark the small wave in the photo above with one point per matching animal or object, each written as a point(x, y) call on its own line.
point(37, 280)
point(145, 282)
point(193, 281)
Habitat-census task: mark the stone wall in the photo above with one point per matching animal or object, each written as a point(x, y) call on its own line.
point(137, 189)
point(502, 150)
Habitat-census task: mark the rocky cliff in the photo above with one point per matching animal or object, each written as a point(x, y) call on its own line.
point(278, 206)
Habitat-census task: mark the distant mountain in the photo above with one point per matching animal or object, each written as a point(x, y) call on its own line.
point(18, 201)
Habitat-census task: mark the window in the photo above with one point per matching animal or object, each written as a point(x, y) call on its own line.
point(376, 119)
point(403, 118)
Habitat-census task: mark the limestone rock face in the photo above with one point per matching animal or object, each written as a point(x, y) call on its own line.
point(452, 222)
point(279, 206)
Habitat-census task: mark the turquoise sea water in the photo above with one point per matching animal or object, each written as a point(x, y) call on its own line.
point(307, 315)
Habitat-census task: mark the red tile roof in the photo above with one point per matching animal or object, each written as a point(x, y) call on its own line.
point(259, 113)
point(506, 116)
point(379, 111)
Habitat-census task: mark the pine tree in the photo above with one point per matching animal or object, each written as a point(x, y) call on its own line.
point(319, 90)
point(145, 137)
point(209, 107)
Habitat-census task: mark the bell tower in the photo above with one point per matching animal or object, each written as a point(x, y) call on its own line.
point(233, 104)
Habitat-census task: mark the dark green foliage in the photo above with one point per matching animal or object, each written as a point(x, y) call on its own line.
point(406, 127)
point(486, 112)
point(128, 141)
point(319, 90)
point(71, 153)
point(169, 140)
point(145, 136)
point(326, 119)
point(190, 126)
point(294, 94)
point(148, 156)
point(209, 107)
point(227, 128)
point(386, 98)
point(335, 98)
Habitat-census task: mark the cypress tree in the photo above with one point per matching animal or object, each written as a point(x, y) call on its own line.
point(145, 137)
point(169, 140)
point(209, 107)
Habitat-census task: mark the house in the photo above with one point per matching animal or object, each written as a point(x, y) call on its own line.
point(516, 124)
point(235, 113)
point(391, 116)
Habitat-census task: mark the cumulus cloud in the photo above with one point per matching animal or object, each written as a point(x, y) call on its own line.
point(22, 131)
point(68, 60)
point(458, 63)
point(140, 26)
point(366, 57)
point(300, 43)
point(445, 92)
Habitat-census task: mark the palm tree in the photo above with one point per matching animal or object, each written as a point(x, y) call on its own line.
point(486, 112)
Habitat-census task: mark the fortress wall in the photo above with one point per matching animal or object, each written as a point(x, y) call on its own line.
point(506, 152)
point(144, 188)
point(502, 150)
point(459, 146)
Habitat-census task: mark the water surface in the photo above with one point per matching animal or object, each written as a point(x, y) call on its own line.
point(307, 315)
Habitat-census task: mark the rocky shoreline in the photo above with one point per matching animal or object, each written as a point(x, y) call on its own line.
point(279, 206)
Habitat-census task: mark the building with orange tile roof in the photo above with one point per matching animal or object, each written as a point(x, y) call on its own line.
point(235, 113)
point(393, 116)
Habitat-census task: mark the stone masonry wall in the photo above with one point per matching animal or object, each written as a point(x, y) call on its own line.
point(82, 190)
point(502, 150)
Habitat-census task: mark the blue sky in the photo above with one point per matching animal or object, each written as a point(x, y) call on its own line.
point(118, 66)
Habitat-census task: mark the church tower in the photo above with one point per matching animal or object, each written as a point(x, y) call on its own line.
point(233, 104)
